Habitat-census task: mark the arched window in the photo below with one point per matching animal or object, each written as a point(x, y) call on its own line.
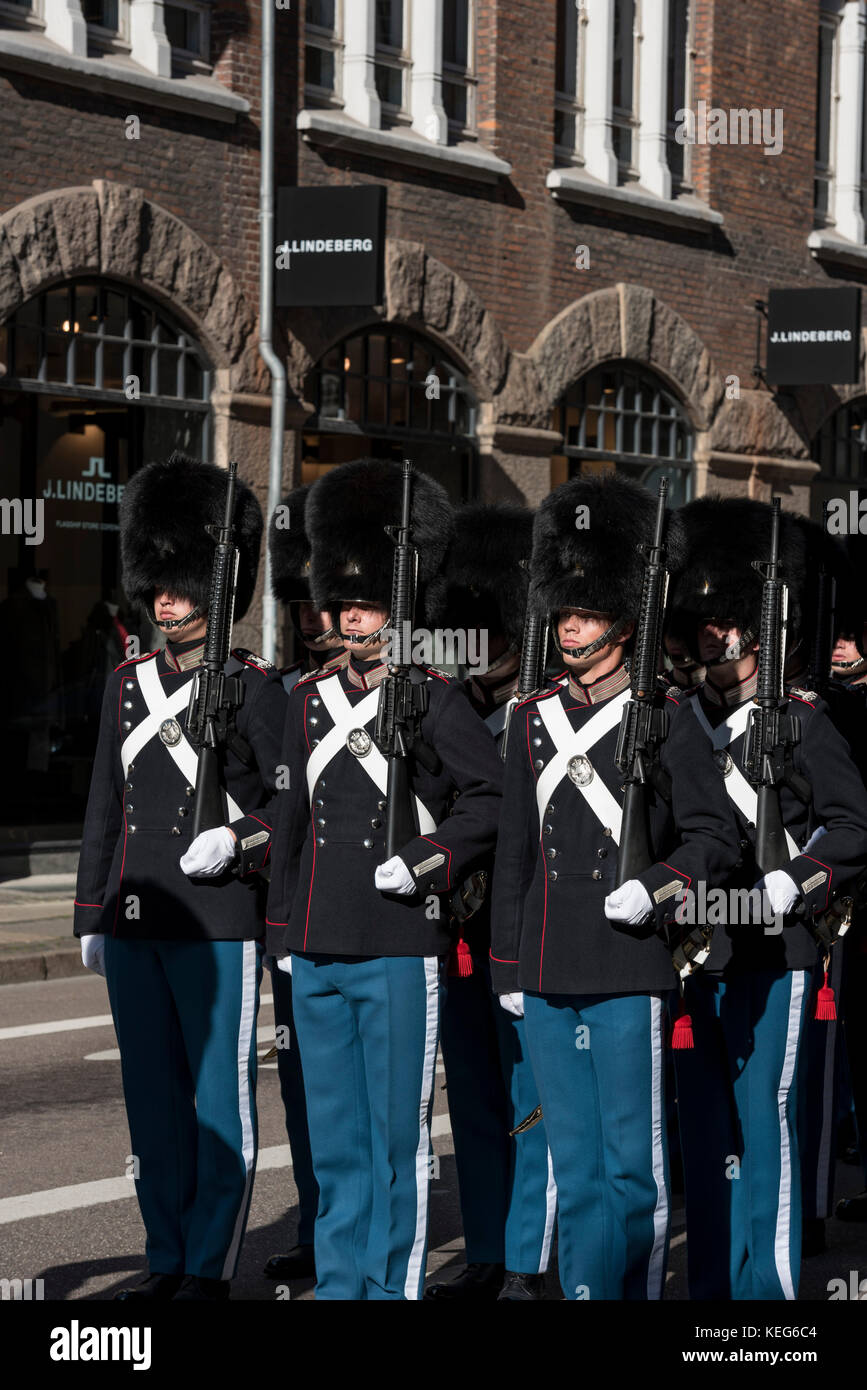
point(390, 393)
point(840, 449)
point(624, 416)
point(94, 382)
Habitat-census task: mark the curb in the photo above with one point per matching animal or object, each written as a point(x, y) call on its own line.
point(43, 965)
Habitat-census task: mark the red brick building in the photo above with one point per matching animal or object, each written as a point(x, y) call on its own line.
point(585, 198)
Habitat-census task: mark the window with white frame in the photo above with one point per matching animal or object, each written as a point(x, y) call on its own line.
point(392, 58)
point(825, 111)
point(458, 77)
point(107, 24)
point(322, 49)
point(679, 93)
point(18, 11)
point(569, 81)
point(187, 25)
point(841, 120)
point(624, 115)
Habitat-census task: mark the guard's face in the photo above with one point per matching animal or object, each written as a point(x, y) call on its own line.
point(578, 627)
point(360, 620)
point(715, 637)
point(168, 607)
point(845, 651)
point(313, 623)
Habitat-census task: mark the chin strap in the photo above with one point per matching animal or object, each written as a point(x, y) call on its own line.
point(356, 639)
point(735, 650)
point(325, 639)
point(607, 636)
point(172, 623)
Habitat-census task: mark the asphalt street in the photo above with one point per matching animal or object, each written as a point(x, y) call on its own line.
point(68, 1213)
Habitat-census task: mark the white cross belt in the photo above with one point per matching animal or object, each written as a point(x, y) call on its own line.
point(738, 788)
point(161, 707)
point(346, 718)
point(570, 742)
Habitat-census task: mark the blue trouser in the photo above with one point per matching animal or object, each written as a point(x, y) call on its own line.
point(367, 1028)
point(598, 1062)
point(185, 1017)
point(294, 1104)
point(508, 1195)
point(823, 1059)
point(740, 1098)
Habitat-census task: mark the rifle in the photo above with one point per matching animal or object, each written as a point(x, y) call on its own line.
point(531, 674)
point(402, 701)
point(215, 696)
point(771, 734)
point(643, 726)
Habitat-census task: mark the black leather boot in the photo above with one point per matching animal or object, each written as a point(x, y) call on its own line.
point(518, 1287)
point(297, 1263)
point(479, 1281)
point(197, 1289)
point(155, 1286)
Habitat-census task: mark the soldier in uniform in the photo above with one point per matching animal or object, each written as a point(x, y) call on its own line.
point(741, 1090)
point(175, 926)
point(290, 582)
point(368, 938)
point(507, 1190)
point(594, 999)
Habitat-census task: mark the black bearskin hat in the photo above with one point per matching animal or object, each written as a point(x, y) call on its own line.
point(716, 579)
point(852, 590)
point(289, 547)
point(163, 542)
point(487, 568)
point(591, 559)
point(352, 557)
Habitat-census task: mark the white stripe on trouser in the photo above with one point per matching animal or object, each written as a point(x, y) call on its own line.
point(550, 1213)
point(782, 1238)
point(422, 1162)
point(656, 1265)
point(245, 1108)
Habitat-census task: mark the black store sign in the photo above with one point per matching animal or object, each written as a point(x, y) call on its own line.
point(331, 246)
point(814, 337)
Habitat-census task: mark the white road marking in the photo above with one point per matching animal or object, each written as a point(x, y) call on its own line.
point(92, 1194)
point(69, 1025)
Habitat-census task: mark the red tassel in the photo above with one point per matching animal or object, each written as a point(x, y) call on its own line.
point(461, 960)
point(682, 1036)
point(826, 1007)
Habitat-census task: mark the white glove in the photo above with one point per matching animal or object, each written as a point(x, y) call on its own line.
point(210, 853)
point(93, 953)
point(782, 892)
point(513, 1004)
point(284, 963)
point(394, 877)
point(628, 903)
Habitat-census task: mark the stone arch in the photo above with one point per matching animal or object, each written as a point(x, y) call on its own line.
point(421, 293)
point(623, 322)
point(112, 229)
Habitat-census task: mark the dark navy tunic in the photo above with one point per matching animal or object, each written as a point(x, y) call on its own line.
point(329, 832)
point(838, 802)
point(556, 858)
point(139, 811)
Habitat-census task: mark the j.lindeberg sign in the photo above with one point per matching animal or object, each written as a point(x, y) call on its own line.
point(330, 246)
point(814, 337)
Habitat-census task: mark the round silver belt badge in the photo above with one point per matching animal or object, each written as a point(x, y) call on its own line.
point(580, 770)
point(170, 732)
point(723, 761)
point(358, 742)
